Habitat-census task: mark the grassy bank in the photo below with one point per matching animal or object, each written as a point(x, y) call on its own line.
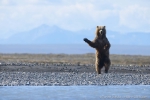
point(74, 58)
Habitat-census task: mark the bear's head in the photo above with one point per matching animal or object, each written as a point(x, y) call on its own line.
point(100, 32)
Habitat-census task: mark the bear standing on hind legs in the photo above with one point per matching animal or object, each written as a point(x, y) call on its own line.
point(102, 45)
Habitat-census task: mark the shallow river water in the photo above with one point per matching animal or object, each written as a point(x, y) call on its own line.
point(129, 92)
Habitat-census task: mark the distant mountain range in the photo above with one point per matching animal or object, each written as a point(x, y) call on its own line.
point(45, 34)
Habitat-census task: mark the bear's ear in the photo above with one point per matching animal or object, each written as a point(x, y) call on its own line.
point(104, 27)
point(97, 26)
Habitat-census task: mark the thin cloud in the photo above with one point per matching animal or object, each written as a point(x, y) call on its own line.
point(23, 15)
point(135, 17)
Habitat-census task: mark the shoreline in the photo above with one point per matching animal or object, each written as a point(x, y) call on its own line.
point(49, 75)
point(71, 70)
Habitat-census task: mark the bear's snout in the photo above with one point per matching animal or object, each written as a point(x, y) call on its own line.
point(100, 31)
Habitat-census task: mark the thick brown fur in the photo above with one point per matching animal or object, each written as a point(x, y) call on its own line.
point(102, 45)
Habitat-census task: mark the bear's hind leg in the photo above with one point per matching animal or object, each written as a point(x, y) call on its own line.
point(106, 68)
point(107, 65)
point(98, 70)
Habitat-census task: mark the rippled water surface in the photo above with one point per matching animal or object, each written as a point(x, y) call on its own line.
point(132, 92)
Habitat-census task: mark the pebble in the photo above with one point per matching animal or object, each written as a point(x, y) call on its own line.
point(71, 79)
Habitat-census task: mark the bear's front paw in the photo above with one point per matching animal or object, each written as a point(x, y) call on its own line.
point(85, 39)
point(105, 47)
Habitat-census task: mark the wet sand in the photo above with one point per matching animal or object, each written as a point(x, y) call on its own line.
point(32, 67)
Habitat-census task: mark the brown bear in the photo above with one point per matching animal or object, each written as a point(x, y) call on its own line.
point(102, 45)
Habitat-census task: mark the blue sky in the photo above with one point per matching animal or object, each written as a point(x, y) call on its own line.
point(116, 15)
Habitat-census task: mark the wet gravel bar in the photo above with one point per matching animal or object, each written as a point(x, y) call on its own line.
point(35, 74)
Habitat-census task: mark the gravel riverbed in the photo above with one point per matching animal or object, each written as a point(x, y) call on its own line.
point(25, 74)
